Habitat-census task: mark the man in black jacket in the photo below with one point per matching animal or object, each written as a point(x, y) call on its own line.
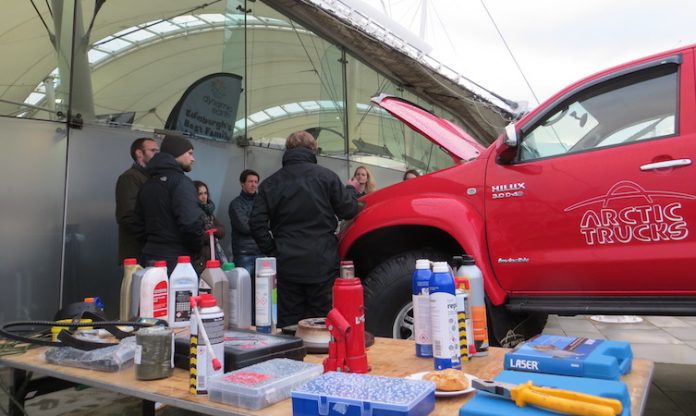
point(169, 216)
point(244, 247)
point(294, 218)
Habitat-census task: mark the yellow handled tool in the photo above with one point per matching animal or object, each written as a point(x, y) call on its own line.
point(562, 401)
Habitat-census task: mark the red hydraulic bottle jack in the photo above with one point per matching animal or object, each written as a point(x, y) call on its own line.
point(346, 323)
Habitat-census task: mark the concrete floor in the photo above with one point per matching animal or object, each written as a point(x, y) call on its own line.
point(669, 341)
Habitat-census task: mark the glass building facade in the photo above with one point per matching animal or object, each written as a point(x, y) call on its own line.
point(82, 79)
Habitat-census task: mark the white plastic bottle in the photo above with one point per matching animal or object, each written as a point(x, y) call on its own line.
point(130, 266)
point(183, 283)
point(201, 364)
point(240, 296)
point(477, 303)
point(154, 292)
point(214, 281)
point(443, 316)
point(265, 276)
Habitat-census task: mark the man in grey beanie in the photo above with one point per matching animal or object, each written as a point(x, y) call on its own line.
point(169, 215)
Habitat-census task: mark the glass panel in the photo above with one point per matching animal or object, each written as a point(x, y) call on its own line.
point(31, 218)
point(600, 117)
point(376, 137)
point(293, 70)
point(139, 62)
point(91, 249)
point(36, 56)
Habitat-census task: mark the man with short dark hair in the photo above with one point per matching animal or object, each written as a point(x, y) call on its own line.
point(294, 218)
point(167, 208)
point(244, 248)
point(127, 186)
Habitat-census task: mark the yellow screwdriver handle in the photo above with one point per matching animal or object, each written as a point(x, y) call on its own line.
point(524, 394)
point(615, 404)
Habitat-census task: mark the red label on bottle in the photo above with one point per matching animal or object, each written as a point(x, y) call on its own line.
point(160, 299)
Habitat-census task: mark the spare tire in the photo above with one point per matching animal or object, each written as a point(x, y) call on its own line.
point(388, 307)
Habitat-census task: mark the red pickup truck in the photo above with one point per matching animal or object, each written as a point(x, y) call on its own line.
point(584, 206)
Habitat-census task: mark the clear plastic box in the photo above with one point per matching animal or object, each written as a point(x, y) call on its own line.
point(263, 384)
point(347, 394)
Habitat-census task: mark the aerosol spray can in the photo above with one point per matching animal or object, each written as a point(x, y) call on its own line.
point(477, 303)
point(420, 284)
point(443, 315)
point(265, 277)
point(206, 354)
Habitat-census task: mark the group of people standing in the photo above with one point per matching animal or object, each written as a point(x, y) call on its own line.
point(292, 215)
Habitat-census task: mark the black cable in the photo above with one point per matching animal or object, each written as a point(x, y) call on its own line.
point(519, 68)
point(41, 17)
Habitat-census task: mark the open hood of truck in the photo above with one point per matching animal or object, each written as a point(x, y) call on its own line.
point(458, 143)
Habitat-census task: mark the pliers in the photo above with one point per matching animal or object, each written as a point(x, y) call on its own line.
point(562, 401)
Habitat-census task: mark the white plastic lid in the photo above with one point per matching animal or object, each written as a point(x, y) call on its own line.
point(441, 267)
point(422, 264)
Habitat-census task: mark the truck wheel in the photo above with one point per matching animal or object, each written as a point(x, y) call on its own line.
point(507, 329)
point(388, 307)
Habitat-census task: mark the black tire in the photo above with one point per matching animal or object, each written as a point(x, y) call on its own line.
point(388, 294)
point(507, 329)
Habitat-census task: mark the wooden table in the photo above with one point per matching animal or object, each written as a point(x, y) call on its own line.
point(387, 357)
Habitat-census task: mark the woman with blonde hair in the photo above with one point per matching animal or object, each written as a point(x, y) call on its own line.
point(366, 183)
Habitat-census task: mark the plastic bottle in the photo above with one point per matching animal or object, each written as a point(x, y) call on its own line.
point(240, 296)
point(135, 289)
point(154, 292)
point(477, 303)
point(183, 283)
point(201, 366)
point(130, 266)
point(420, 283)
point(443, 315)
point(214, 281)
point(265, 277)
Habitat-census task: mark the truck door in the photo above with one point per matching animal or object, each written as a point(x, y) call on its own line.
point(601, 194)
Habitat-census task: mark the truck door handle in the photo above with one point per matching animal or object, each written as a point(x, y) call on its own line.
point(666, 164)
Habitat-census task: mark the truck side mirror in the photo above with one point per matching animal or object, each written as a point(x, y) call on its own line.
point(510, 135)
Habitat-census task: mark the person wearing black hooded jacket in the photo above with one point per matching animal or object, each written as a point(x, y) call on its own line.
point(294, 218)
point(169, 217)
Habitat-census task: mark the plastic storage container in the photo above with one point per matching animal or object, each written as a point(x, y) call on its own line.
point(246, 347)
point(571, 356)
point(263, 384)
point(349, 394)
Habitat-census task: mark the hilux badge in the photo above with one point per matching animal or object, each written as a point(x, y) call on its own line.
point(508, 190)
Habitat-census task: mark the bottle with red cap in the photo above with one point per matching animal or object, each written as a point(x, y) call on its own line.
point(130, 266)
point(154, 292)
point(214, 281)
point(207, 342)
point(183, 283)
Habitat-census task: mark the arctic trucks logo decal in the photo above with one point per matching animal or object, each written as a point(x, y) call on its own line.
point(655, 216)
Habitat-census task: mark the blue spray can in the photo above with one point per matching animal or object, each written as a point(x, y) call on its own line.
point(443, 317)
point(421, 308)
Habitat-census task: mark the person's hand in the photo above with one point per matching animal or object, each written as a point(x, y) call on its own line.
point(354, 183)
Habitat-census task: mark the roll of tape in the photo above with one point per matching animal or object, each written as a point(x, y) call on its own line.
point(154, 353)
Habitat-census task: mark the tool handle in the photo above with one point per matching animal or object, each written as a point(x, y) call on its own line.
point(524, 394)
point(589, 398)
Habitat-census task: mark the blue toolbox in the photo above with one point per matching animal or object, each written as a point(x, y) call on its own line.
point(348, 394)
point(571, 356)
point(487, 404)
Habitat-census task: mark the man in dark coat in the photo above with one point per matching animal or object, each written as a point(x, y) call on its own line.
point(167, 208)
point(244, 248)
point(129, 183)
point(294, 218)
